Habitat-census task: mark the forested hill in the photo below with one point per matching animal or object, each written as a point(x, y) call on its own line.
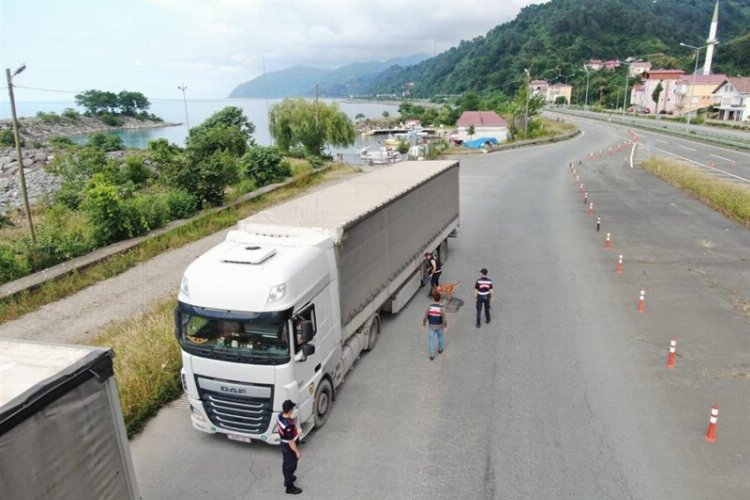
point(555, 38)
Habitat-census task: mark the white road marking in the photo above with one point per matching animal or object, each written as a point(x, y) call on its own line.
point(664, 142)
point(705, 166)
point(721, 158)
point(685, 147)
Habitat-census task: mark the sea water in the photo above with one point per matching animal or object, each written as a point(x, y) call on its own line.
point(174, 111)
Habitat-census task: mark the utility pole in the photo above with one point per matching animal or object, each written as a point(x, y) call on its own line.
point(625, 95)
point(17, 137)
point(586, 104)
point(184, 100)
point(526, 120)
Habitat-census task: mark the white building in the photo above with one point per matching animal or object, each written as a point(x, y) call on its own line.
point(485, 123)
point(733, 97)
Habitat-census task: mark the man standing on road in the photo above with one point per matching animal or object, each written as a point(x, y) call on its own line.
point(287, 428)
point(435, 323)
point(434, 269)
point(484, 293)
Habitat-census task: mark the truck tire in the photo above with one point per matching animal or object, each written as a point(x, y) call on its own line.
point(373, 333)
point(443, 250)
point(323, 403)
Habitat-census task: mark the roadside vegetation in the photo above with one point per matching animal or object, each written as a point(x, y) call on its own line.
point(730, 199)
point(105, 198)
point(211, 221)
point(147, 364)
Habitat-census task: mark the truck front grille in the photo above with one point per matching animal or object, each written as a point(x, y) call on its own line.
point(247, 415)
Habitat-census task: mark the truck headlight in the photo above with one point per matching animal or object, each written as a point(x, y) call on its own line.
point(184, 288)
point(276, 293)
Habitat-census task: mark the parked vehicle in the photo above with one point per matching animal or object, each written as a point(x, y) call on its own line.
point(638, 109)
point(62, 434)
point(283, 308)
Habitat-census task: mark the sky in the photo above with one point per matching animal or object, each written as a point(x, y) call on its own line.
point(211, 46)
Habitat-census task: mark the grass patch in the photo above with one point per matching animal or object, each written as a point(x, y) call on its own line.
point(730, 199)
point(202, 226)
point(147, 364)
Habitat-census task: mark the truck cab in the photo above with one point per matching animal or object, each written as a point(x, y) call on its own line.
point(257, 322)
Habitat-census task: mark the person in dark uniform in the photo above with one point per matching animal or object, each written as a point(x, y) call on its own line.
point(435, 323)
point(287, 428)
point(484, 293)
point(434, 269)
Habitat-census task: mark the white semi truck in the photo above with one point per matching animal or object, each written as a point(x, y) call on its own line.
point(285, 305)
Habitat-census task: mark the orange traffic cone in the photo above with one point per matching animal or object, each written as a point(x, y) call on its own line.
point(608, 242)
point(642, 301)
point(672, 352)
point(619, 265)
point(712, 421)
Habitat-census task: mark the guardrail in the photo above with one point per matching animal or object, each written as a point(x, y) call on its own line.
point(643, 124)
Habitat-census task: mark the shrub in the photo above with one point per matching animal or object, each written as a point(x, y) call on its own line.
point(315, 161)
point(12, 265)
point(245, 186)
point(49, 117)
point(71, 114)
point(7, 138)
point(111, 120)
point(181, 204)
point(145, 213)
point(61, 142)
point(104, 206)
point(106, 142)
point(135, 170)
point(63, 233)
point(265, 165)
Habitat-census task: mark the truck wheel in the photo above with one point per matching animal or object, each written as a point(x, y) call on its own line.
point(323, 403)
point(443, 250)
point(372, 336)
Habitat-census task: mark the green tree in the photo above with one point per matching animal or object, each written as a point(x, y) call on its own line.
point(131, 103)
point(265, 165)
point(106, 142)
point(469, 102)
point(470, 130)
point(97, 101)
point(296, 122)
point(655, 95)
point(232, 117)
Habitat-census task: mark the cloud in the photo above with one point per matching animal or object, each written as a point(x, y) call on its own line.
point(153, 45)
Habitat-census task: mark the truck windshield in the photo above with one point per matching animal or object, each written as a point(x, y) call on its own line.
point(256, 338)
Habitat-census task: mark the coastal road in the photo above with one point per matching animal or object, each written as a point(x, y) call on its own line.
point(566, 393)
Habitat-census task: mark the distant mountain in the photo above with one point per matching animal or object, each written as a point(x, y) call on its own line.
point(553, 39)
point(301, 80)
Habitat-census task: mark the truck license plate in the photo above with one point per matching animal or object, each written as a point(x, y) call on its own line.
point(236, 437)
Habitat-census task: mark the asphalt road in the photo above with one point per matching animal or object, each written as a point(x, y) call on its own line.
point(566, 393)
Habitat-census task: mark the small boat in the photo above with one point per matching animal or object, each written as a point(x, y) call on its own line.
point(383, 156)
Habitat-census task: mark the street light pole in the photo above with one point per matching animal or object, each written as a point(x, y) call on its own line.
point(586, 103)
point(526, 120)
point(692, 86)
point(625, 95)
point(17, 137)
point(184, 100)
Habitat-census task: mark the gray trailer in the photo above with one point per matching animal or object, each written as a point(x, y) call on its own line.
point(381, 223)
point(62, 434)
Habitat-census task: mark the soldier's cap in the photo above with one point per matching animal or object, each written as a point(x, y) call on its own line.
point(483, 270)
point(287, 405)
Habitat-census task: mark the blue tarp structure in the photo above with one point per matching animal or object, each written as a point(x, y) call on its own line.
point(479, 143)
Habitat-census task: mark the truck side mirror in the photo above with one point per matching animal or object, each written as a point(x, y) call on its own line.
point(308, 350)
point(306, 330)
point(177, 325)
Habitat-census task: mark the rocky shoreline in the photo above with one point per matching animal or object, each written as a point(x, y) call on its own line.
point(35, 133)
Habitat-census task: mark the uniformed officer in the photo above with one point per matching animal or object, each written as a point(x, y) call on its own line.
point(484, 293)
point(434, 269)
point(287, 428)
point(435, 323)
